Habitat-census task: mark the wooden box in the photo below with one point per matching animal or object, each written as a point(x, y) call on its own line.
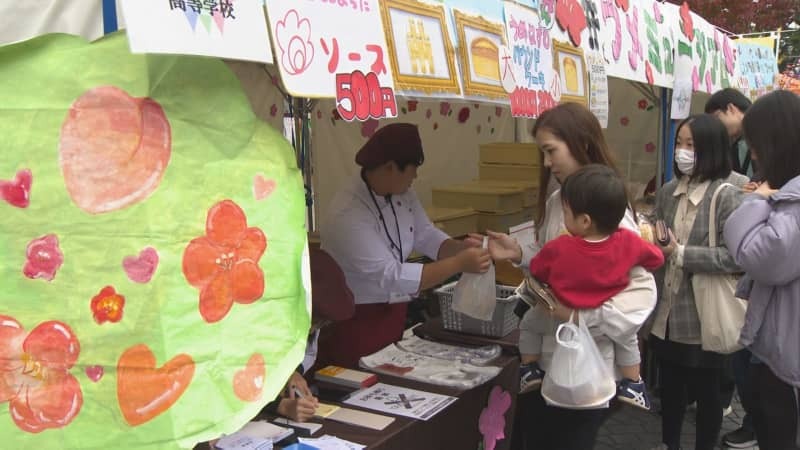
point(454, 222)
point(502, 221)
point(479, 197)
point(509, 172)
point(510, 153)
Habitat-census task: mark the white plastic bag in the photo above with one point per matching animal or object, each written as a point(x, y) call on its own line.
point(475, 293)
point(578, 377)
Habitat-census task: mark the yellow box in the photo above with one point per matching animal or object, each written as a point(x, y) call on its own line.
point(509, 172)
point(454, 222)
point(510, 153)
point(479, 197)
point(530, 189)
point(503, 221)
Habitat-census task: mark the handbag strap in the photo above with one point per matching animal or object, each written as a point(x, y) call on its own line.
point(712, 215)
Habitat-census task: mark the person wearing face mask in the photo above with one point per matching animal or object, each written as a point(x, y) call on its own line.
point(702, 164)
point(371, 228)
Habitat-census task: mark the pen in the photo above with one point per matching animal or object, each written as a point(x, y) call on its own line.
point(297, 392)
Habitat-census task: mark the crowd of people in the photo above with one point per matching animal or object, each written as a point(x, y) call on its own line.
point(732, 207)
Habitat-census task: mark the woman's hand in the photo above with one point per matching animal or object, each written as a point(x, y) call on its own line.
point(502, 247)
point(751, 186)
point(669, 249)
point(296, 381)
point(765, 190)
point(298, 409)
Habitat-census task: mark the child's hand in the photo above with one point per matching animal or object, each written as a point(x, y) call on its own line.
point(298, 409)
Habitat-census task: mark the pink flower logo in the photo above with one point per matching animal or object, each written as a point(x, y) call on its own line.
point(293, 35)
point(650, 147)
point(34, 374)
point(44, 258)
point(492, 420)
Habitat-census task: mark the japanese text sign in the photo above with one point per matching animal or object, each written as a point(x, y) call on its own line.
point(756, 65)
point(223, 28)
point(531, 61)
point(330, 48)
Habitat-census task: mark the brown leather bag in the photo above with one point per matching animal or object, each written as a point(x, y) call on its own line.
point(532, 290)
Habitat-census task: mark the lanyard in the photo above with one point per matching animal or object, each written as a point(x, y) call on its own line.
point(399, 245)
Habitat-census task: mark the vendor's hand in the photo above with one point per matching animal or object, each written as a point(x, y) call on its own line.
point(298, 409)
point(669, 249)
point(750, 187)
point(502, 247)
point(297, 381)
point(765, 190)
point(474, 260)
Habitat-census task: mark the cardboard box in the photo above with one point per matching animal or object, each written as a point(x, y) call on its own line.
point(509, 172)
point(479, 197)
point(502, 221)
point(455, 222)
point(510, 153)
point(530, 189)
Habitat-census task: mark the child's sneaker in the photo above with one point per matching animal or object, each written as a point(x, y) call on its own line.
point(530, 377)
point(634, 393)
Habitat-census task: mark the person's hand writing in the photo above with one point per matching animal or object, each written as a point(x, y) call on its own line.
point(502, 247)
point(297, 381)
point(298, 409)
point(669, 249)
point(765, 190)
point(474, 260)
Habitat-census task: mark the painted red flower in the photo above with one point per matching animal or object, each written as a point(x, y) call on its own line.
point(34, 374)
point(650, 147)
point(44, 258)
point(498, 111)
point(624, 4)
point(624, 121)
point(335, 114)
point(444, 108)
point(648, 72)
point(223, 264)
point(412, 105)
point(319, 114)
point(687, 25)
point(642, 104)
point(273, 110)
point(435, 125)
point(428, 113)
point(107, 305)
point(571, 17)
point(463, 115)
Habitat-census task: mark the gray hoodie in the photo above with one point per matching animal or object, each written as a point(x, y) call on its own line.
point(763, 235)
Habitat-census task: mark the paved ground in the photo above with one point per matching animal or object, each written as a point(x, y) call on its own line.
point(633, 429)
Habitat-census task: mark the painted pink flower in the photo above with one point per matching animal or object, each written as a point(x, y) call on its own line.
point(223, 264)
point(273, 110)
point(642, 104)
point(624, 121)
point(34, 374)
point(492, 421)
point(444, 108)
point(293, 36)
point(650, 147)
point(463, 115)
point(319, 114)
point(44, 258)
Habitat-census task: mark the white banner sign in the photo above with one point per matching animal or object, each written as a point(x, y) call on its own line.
point(234, 29)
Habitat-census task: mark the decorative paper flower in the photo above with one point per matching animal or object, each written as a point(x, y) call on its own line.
point(571, 18)
point(498, 111)
point(687, 25)
point(463, 115)
point(223, 264)
point(293, 36)
point(412, 105)
point(624, 4)
point(44, 258)
point(642, 104)
point(492, 420)
point(34, 374)
point(648, 72)
point(624, 121)
point(368, 128)
point(107, 305)
point(444, 108)
point(273, 110)
point(650, 147)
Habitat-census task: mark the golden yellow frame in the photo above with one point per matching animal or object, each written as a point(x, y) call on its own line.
point(560, 48)
point(479, 23)
point(412, 82)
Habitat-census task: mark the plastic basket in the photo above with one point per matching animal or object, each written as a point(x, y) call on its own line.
point(503, 321)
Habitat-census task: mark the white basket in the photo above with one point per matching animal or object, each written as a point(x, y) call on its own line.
point(503, 321)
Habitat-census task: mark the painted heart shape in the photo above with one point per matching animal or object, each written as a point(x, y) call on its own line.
point(113, 149)
point(144, 391)
point(248, 382)
point(262, 187)
point(17, 192)
point(95, 373)
point(140, 269)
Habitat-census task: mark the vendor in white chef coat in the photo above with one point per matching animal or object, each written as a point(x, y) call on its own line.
point(372, 226)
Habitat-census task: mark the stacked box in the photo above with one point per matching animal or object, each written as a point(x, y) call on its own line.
point(455, 222)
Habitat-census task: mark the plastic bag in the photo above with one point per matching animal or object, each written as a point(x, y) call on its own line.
point(475, 293)
point(579, 377)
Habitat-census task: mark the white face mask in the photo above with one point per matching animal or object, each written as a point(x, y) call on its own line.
point(684, 158)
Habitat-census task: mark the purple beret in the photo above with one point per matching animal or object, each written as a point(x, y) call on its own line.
point(394, 142)
point(330, 297)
